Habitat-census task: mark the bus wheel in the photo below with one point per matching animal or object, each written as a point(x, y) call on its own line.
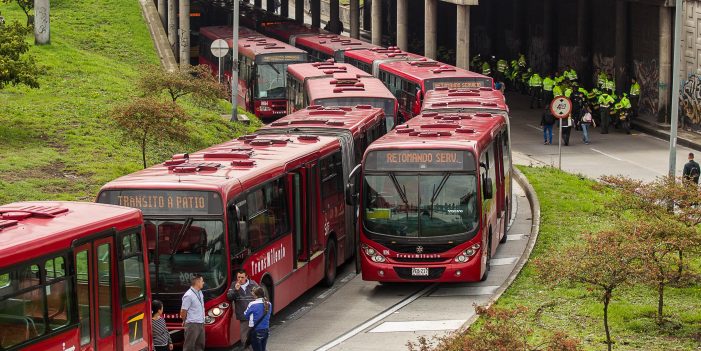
point(330, 264)
point(489, 258)
point(506, 224)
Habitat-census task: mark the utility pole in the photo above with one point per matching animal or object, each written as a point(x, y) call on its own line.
point(235, 63)
point(675, 88)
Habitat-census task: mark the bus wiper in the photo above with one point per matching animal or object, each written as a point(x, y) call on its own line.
point(274, 69)
point(402, 193)
point(180, 235)
point(437, 191)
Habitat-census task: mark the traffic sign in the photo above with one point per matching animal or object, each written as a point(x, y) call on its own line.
point(561, 107)
point(219, 48)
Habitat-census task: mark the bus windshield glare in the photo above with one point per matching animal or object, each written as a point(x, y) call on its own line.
point(270, 82)
point(422, 205)
point(386, 105)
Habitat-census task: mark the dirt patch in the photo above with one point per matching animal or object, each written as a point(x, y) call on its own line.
point(53, 171)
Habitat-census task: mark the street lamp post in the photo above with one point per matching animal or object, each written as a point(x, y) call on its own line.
point(235, 63)
point(675, 88)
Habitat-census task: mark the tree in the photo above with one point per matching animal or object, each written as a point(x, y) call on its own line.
point(604, 261)
point(502, 329)
point(197, 81)
point(27, 6)
point(148, 119)
point(16, 67)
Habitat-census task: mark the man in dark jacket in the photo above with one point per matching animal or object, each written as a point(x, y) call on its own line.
point(241, 294)
point(692, 170)
point(547, 122)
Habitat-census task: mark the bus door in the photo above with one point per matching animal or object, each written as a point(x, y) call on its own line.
point(94, 262)
point(499, 158)
point(299, 202)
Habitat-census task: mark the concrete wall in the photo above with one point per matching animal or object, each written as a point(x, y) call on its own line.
point(690, 106)
point(644, 45)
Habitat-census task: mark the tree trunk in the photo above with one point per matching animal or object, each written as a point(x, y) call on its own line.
point(681, 264)
point(143, 149)
point(660, 302)
point(607, 299)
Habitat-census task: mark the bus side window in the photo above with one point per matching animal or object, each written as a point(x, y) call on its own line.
point(267, 213)
point(132, 272)
point(331, 177)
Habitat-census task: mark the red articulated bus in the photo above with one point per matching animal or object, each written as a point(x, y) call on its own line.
point(333, 84)
point(356, 127)
point(289, 31)
point(410, 80)
point(262, 68)
point(369, 60)
point(464, 100)
point(272, 204)
point(73, 277)
point(257, 18)
point(434, 203)
point(322, 47)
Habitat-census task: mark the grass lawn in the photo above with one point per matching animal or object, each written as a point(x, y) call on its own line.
point(58, 142)
point(571, 206)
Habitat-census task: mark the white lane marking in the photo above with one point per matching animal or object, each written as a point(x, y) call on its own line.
point(503, 261)
point(534, 127)
point(465, 291)
point(355, 331)
point(515, 237)
point(391, 327)
point(607, 155)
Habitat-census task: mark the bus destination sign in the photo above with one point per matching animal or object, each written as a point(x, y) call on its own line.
point(457, 84)
point(273, 58)
point(165, 202)
point(420, 160)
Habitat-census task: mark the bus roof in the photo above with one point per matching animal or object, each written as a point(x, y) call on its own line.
point(477, 99)
point(423, 70)
point(32, 229)
point(442, 130)
point(354, 119)
point(253, 44)
point(222, 168)
point(286, 30)
point(370, 55)
point(304, 71)
point(346, 85)
point(331, 43)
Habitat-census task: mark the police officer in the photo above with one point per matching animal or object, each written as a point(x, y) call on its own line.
point(605, 101)
point(502, 67)
point(548, 85)
point(486, 68)
point(535, 83)
point(634, 96)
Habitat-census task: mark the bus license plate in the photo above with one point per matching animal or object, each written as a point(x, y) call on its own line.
point(419, 272)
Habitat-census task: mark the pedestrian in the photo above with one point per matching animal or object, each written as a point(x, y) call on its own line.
point(240, 293)
point(547, 122)
point(259, 311)
point(691, 170)
point(535, 83)
point(634, 95)
point(605, 101)
point(548, 85)
point(159, 331)
point(192, 314)
point(566, 124)
point(587, 121)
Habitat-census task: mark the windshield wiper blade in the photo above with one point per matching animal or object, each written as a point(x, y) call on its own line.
point(437, 191)
point(401, 192)
point(274, 69)
point(180, 235)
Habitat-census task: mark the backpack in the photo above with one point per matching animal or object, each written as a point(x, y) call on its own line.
point(694, 172)
point(548, 118)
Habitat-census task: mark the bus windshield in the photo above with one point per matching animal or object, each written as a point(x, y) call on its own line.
point(420, 205)
point(270, 82)
point(179, 248)
point(385, 104)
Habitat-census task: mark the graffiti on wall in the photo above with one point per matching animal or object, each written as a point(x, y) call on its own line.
point(690, 102)
point(569, 56)
point(602, 63)
point(648, 75)
point(482, 42)
point(538, 57)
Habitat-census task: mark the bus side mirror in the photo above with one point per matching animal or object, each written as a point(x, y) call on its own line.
point(351, 190)
point(487, 189)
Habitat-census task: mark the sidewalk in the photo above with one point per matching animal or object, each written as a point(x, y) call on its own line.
point(648, 124)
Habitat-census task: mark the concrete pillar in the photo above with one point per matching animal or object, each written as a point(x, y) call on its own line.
point(173, 25)
point(430, 28)
point(402, 24)
point(316, 13)
point(621, 59)
point(285, 8)
point(162, 11)
point(355, 18)
point(549, 21)
point(367, 14)
point(334, 19)
point(299, 11)
point(666, 20)
point(258, 3)
point(184, 33)
point(377, 22)
point(270, 6)
point(583, 42)
point(462, 46)
point(42, 22)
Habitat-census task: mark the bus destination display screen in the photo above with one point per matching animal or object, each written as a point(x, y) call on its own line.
point(420, 160)
point(165, 202)
point(279, 58)
point(459, 83)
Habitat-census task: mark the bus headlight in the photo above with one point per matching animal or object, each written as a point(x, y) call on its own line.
point(465, 255)
point(208, 320)
point(223, 305)
point(215, 312)
point(373, 254)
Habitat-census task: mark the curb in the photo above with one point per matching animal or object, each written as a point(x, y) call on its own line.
point(664, 135)
point(158, 35)
point(535, 229)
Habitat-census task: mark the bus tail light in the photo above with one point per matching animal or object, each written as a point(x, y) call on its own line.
point(373, 254)
point(465, 255)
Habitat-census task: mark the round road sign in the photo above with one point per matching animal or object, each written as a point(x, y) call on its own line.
point(561, 107)
point(220, 48)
